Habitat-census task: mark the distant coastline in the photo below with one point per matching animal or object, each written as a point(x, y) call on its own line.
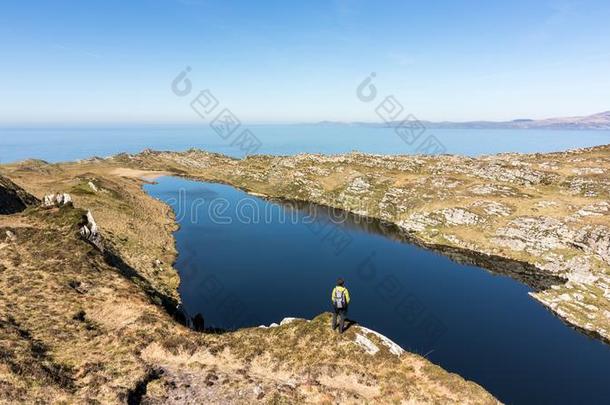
point(599, 121)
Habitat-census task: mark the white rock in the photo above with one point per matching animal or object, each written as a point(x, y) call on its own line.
point(394, 348)
point(588, 170)
point(533, 234)
point(545, 204)
point(358, 186)
point(90, 232)
point(10, 236)
point(418, 221)
point(57, 199)
point(366, 344)
point(286, 321)
point(598, 209)
point(459, 216)
point(258, 391)
point(493, 208)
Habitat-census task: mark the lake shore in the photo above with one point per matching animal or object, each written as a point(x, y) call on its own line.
point(83, 324)
point(549, 211)
point(546, 210)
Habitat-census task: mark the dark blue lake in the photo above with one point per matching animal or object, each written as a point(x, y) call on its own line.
point(244, 261)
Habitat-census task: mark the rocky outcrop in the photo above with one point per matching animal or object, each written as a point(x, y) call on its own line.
point(10, 236)
point(595, 239)
point(90, 232)
point(534, 235)
point(13, 198)
point(56, 200)
point(272, 360)
point(363, 339)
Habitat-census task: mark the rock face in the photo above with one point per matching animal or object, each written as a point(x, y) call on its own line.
point(371, 347)
point(13, 198)
point(595, 239)
point(533, 234)
point(89, 231)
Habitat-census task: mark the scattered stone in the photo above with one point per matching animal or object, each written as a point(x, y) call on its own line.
point(588, 170)
point(418, 221)
point(453, 239)
point(358, 186)
point(56, 200)
point(595, 239)
point(259, 393)
point(546, 204)
point(517, 174)
point(460, 216)
point(366, 344)
point(10, 236)
point(492, 189)
point(533, 234)
point(286, 321)
point(79, 287)
point(394, 347)
point(597, 209)
point(493, 208)
point(89, 231)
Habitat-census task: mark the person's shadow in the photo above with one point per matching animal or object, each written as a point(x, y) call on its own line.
point(348, 324)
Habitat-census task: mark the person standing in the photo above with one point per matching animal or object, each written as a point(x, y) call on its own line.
point(340, 301)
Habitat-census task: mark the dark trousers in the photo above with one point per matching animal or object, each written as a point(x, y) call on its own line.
point(342, 312)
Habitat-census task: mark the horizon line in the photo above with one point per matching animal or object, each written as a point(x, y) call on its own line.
point(77, 124)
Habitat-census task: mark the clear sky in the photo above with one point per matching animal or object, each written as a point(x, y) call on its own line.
point(289, 61)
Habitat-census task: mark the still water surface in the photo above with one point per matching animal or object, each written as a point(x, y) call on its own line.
point(244, 261)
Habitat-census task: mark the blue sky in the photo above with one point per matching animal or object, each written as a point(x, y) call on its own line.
point(287, 61)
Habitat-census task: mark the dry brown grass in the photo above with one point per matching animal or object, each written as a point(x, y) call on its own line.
point(76, 328)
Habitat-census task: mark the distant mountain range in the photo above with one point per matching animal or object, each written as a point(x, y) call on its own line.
point(595, 121)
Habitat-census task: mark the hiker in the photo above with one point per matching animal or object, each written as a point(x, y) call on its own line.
point(340, 301)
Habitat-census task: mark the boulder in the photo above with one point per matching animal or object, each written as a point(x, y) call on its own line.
point(56, 200)
point(10, 236)
point(13, 198)
point(89, 231)
point(594, 239)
